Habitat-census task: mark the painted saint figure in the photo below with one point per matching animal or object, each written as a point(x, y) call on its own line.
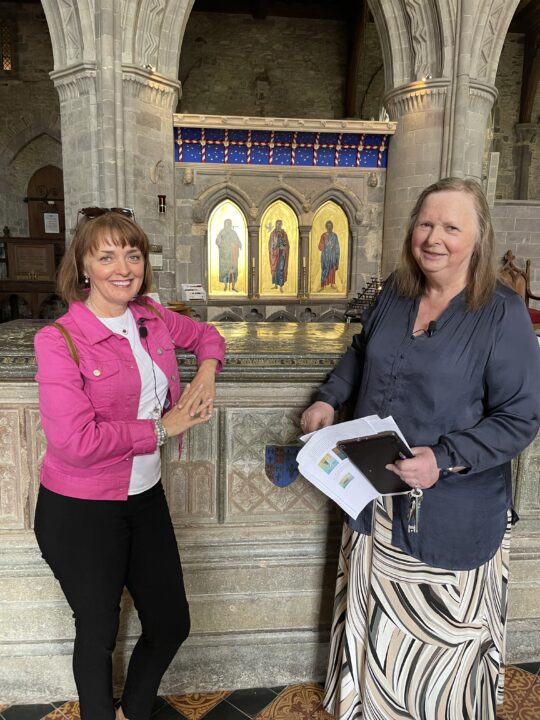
point(278, 250)
point(229, 245)
point(329, 247)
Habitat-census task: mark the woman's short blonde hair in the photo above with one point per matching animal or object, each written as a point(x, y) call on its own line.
point(117, 228)
point(482, 275)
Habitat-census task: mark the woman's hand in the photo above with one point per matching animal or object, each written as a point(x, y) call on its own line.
point(317, 416)
point(201, 404)
point(420, 471)
point(181, 417)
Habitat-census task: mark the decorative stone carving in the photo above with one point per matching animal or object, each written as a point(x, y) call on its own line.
point(76, 82)
point(187, 177)
point(156, 89)
point(481, 97)
point(373, 180)
point(11, 459)
point(526, 133)
point(270, 123)
point(197, 212)
point(420, 26)
point(156, 173)
point(150, 30)
point(249, 490)
point(491, 31)
point(416, 97)
point(72, 31)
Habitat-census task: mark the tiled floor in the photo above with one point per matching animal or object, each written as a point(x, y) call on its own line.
point(296, 702)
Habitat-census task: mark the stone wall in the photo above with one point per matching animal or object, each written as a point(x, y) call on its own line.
point(233, 64)
point(517, 228)
point(30, 121)
point(506, 115)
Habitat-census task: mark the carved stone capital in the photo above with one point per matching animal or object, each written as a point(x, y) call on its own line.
point(150, 87)
point(418, 96)
point(75, 81)
point(526, 133)
point(482, 97)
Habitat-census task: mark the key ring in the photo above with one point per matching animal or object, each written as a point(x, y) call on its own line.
point(416, 492)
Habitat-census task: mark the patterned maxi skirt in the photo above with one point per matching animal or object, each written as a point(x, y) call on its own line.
point(412, 641)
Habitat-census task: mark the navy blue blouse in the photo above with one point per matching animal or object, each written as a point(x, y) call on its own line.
point(470, 391)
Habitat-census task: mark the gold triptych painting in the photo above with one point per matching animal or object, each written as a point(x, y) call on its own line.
point(279, 262)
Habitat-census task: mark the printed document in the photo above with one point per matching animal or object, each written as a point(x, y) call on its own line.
point(328, 468)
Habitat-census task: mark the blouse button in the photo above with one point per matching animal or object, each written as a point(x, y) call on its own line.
point(96, 372)
point(159, 351)
point(173, 377)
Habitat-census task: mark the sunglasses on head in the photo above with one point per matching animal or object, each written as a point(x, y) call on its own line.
point(93, 212)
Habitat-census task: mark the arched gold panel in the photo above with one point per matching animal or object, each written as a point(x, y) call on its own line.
point(278, 251)
point(329, 252)
point(227, 251)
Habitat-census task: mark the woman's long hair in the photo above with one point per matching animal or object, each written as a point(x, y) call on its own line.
point(121, 230)
point(482, 274)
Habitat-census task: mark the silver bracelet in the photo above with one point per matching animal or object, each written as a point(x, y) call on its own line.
point(161, 433)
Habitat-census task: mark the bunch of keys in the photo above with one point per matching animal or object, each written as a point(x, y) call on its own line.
point(413, 517)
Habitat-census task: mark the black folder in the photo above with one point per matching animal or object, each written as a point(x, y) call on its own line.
point(371, 453)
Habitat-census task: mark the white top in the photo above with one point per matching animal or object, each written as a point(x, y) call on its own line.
point(146, 470)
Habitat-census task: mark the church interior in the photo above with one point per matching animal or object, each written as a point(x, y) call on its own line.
point(272, 151)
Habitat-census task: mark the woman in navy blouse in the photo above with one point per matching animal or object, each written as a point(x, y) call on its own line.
point(450, 353)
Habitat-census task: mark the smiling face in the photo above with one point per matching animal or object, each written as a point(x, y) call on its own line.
point(116, 274)
point(444, 237)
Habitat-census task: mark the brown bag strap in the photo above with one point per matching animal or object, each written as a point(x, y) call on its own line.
point(69, 341)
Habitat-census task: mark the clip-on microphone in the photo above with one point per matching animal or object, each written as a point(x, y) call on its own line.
point(143, 332)
point(431, 328)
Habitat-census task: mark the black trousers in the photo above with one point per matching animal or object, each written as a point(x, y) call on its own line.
point(95, 548)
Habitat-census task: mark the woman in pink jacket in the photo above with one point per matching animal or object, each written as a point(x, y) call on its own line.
point(109, 397)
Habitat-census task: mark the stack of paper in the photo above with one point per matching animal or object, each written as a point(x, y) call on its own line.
point(328, 468)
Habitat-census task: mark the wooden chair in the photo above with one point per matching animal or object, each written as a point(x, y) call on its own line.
point(520, 281)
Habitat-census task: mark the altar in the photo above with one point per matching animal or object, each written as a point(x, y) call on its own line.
point(259, 561)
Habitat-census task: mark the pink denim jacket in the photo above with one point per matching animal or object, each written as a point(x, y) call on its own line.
point(89, 411)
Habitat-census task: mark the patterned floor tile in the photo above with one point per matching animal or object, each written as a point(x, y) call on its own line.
point(521, 697)
point(196, 705)
point(67, 711)
point(301, 702)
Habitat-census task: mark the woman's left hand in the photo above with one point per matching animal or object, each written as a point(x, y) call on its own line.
point(202, 404)
point(420, 471)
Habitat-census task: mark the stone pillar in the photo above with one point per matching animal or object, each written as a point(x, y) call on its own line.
point(414, 157)
point(526, 137)
point(481, 99)
point(149, 103)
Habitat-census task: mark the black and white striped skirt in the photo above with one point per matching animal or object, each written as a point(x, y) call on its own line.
point(412, 641)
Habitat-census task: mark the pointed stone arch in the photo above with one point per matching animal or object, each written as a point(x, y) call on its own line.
point(289, 195)
point(491, 25)
point(410, 32)
point(207, 201)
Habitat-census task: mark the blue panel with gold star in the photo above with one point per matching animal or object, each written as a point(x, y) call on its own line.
point(280, 147)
